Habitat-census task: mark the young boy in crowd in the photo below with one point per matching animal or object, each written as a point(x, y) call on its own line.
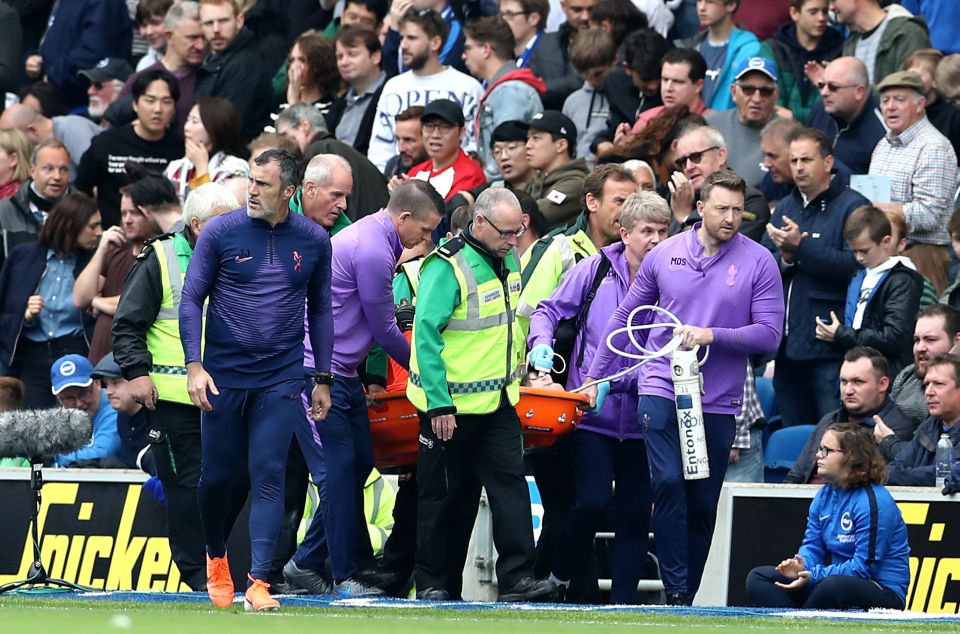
point(592, 55)
point(898, 244)
point(883, 298)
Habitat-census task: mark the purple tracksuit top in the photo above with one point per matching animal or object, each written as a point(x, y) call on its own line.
point(618, 418)
point(364, 261)
point(737, 292)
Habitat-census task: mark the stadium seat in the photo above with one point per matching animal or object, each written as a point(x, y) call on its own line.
point(782, 451)
point(768, 399)
point(768, 403)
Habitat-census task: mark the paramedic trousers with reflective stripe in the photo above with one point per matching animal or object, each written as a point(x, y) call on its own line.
point(487, 447)
point(684, 511)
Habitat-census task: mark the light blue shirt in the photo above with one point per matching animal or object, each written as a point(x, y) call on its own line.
point(105, 439)
point(59, 317)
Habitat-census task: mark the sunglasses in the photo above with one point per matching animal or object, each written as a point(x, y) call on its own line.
point(823, 451)
point(750, 90)
point(693, 157)
point(832, 87)
point(506, 235)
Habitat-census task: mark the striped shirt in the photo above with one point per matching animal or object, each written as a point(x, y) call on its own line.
point(922, 168)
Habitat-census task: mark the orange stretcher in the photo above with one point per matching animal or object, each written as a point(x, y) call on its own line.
point(545, 415)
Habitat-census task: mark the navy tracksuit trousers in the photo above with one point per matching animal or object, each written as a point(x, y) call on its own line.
point(684, 511)
point(248, 431)
point(340, 464)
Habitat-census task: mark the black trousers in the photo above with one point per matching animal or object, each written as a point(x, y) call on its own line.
point(175, 436)
point(488, 448)
point(32, 362)
point(400, 550)
point(554, 469)
point(837, 592)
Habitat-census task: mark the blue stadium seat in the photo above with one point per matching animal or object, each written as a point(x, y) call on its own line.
point(768, 399)
point(782, 451)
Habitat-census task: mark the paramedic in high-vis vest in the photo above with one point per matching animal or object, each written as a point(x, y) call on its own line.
point(466, 362)
point(146, 346)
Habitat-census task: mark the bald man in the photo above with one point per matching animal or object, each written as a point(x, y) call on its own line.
point(73, 131)
point(848, 114)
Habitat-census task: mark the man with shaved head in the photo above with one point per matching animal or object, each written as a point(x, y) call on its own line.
point(849, 114)
point(73, 131)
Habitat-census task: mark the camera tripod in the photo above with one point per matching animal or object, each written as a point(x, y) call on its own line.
point(37, 575)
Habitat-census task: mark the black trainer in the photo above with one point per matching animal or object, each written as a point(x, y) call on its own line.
point(530, 590)
point(305, 579)
point(433, 594)
point(387, 580)
point(678, 598)
point(351, 588)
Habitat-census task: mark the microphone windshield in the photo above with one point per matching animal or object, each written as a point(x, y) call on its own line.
point(43, 433)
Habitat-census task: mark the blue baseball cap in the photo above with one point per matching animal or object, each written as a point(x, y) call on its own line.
point(758, 64)
point(72, 370)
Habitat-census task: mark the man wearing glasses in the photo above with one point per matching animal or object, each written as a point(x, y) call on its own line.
point(849, 113)
point(447, 168)
point(466, 361)
point(75, 388)
point(700, 152)
point(755, 95)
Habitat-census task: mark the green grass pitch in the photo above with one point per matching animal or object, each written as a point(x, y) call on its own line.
point(70, 616)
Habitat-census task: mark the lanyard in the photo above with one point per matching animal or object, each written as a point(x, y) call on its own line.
point(528, 50)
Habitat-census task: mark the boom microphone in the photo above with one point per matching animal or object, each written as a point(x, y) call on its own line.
point(43, 433)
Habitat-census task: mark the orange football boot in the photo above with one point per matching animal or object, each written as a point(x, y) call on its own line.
point(257, 597)
point(219, 582)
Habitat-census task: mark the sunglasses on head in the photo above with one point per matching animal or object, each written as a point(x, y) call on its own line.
point(693, 157)
point(750, 90)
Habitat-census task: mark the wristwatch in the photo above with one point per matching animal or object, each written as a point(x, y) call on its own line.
point(323, 378)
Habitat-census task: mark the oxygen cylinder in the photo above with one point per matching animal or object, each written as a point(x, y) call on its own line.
point(687, 388)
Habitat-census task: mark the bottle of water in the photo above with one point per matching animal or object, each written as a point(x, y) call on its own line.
point(944, 459)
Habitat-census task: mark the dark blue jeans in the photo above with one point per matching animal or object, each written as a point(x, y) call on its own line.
point(247, 432)
point(601, 460)
point(684, 511)
point(837, 592)
point(342, 462)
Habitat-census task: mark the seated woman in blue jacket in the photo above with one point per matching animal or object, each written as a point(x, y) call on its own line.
point(854, 553)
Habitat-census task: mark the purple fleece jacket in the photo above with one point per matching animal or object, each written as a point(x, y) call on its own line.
point(365, 258)
point(618, 418)
point(737, 292)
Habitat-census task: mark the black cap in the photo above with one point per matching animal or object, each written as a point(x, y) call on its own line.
point(557, 124)
point(107, 368)
point(108, 68)
point(509, 131)
point(446, 109)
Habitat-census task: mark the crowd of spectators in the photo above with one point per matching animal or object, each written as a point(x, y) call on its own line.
point(841, 116)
